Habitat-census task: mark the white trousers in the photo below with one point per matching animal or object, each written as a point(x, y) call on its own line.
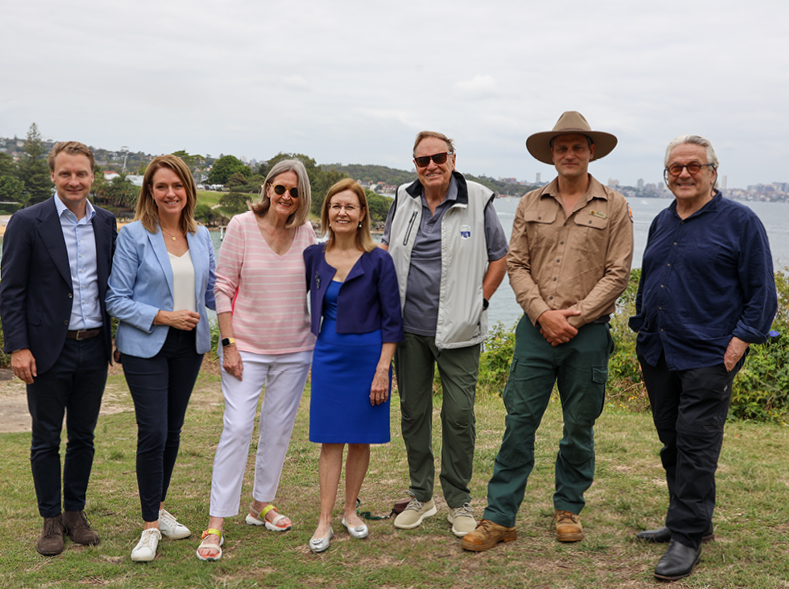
point(284, 376)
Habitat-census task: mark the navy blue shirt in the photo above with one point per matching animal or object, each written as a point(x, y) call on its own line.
point(704, 280)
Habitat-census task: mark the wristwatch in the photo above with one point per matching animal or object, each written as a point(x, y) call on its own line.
point(485, 304)
point(226, 341)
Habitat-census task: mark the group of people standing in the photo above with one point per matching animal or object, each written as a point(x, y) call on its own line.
point(421, 298)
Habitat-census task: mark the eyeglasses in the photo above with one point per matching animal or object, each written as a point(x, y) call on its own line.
point(693, 168)
point(424, 160)
point(280, 190)
point(348, 208)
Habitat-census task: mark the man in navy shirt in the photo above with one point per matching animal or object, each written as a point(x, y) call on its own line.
point(707, 292)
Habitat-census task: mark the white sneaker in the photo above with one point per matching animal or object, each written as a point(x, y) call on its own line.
point(145, 550)
point(170, 528)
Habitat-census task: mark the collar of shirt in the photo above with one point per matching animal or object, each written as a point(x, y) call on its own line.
point(594, 190)
point(710, 207)
point(451, 197)
point(89, 210)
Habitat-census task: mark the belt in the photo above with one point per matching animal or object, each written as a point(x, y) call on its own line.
point(84, 333)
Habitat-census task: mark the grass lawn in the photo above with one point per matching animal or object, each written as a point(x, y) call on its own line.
point(751, 519)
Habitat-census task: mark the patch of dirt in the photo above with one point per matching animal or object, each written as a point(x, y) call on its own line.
point(15, 418)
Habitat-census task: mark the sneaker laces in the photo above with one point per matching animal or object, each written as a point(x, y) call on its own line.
point(147, 538)
point(415, 504)
point(463, 511)
point(168, 519)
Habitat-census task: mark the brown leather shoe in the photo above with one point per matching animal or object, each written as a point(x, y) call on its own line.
point(51, 541)
point(78, 528)
point(568, 526)
point(487, 535)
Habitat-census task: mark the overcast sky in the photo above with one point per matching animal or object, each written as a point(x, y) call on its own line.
point(353, 81)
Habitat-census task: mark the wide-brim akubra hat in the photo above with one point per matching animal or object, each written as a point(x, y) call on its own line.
point(571, 122)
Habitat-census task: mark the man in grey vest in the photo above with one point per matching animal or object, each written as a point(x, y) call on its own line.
point(449, 251)
point(569, 260)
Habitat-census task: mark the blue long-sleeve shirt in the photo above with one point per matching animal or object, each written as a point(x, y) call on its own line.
point(704, 280)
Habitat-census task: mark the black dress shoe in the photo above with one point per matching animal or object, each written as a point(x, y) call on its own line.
point(677, 562)
point(663, 535)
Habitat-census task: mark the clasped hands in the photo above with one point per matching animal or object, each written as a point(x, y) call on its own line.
point(555, 328)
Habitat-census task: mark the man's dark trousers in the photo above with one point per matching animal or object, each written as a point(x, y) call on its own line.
point(580, 368)
point(74, 386)
point(689, 408)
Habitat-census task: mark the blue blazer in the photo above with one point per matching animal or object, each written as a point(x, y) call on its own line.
point(141, 284)
point(36, 294)
point(369, 298)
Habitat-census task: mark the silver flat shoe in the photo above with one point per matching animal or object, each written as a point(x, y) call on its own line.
point(357, 532)
point(321, 544)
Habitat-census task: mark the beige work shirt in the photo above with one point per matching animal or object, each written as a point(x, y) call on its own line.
point(578, 262)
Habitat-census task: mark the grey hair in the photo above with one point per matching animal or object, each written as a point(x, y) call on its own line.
point(422, 135)
point(695, 140)
point(298, 218)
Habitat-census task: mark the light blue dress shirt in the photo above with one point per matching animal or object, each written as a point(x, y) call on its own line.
point(81, 248)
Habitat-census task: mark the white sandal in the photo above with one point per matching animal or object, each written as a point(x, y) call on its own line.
point(258, 518)
point(217, 547)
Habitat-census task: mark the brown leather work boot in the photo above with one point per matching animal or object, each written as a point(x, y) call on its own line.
point(568, 526)
point(78, 528)
point(51, 541)
point(487, 535)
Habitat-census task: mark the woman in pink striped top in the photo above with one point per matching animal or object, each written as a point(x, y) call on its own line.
point(261, 306)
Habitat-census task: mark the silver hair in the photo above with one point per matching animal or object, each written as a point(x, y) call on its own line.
point(694, 140)
point(298, 218)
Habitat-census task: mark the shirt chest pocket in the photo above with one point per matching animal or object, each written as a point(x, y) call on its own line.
point(590, 231)
point(541, 229)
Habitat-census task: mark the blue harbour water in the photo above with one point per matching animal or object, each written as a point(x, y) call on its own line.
point(504, 308)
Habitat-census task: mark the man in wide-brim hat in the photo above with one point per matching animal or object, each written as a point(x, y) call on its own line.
point(569, 260)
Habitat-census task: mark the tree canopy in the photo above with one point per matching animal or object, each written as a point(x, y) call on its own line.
point(33, 170)
point(225, 167)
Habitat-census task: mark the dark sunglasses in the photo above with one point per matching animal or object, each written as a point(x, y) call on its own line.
point(439, 158)
point(280, 190)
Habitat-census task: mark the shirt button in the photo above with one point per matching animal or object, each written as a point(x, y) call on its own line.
point(660, 308)
point(65, 322)
point(557, 259)
point(554, 279)
point(561, 243)
point(550, 298)
point(661, 286)
point(675, 243)
point(70, 295)
point(668, 264)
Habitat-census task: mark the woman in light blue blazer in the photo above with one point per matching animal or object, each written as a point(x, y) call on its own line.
point(162, 280)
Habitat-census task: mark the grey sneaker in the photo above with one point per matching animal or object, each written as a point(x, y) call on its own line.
point(413, 515)
point(462, 520)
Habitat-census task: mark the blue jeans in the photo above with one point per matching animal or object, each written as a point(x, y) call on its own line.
point(161, 387)
point(74, 386)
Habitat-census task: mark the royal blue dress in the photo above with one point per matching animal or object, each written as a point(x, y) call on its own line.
point(343, 367)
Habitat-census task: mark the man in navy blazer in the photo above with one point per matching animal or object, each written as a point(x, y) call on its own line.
point(56, 261)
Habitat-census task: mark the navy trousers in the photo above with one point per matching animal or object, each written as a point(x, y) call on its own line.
point(689, 408)
point(74, 387)
point(161, 387)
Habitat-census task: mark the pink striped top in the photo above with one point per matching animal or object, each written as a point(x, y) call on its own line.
point(270, 311)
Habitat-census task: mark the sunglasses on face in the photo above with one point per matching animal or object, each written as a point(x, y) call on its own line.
point(693, 168)
point(438, 158)
point(280, 190)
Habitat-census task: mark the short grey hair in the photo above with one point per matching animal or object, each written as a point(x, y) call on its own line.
point(694, 140)
point(422, 135)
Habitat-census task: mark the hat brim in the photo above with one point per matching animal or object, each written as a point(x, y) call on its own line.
point(539, 144)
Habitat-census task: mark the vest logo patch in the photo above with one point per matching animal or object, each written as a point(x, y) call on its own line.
point(465, 231)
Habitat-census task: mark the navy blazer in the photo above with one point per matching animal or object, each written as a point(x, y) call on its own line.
point(36, 294)
point(369, 298)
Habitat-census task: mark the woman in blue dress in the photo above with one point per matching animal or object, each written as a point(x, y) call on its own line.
point(353, 289)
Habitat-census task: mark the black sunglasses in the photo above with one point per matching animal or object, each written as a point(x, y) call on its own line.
point(439, 158)
point(280, 190)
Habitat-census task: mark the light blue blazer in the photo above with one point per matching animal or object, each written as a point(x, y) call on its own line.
point(141, 284)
